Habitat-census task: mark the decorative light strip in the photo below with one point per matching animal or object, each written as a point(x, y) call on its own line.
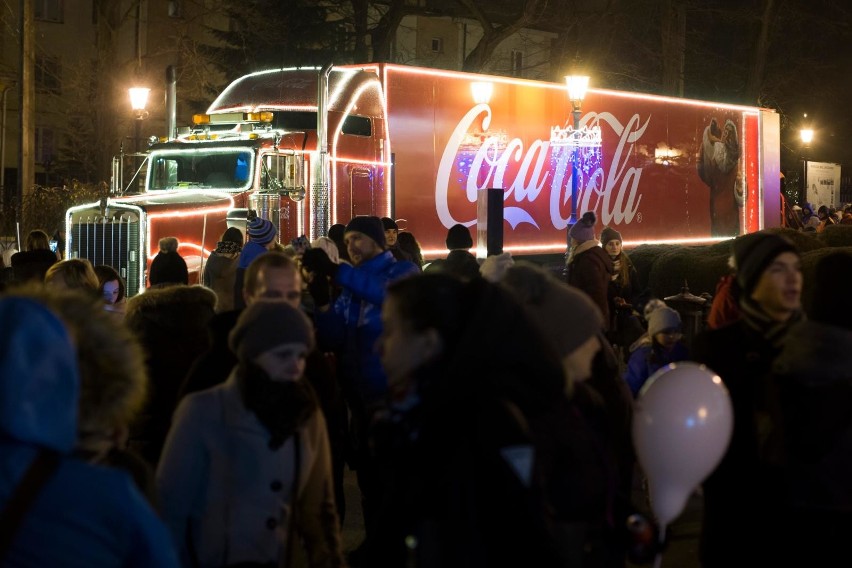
point(234, 84)
point(557, 86)
point(180, 215)
point(251, 108)
point(362, 162)
point(561, 247)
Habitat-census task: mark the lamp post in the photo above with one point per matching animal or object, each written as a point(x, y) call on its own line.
point(807, 136)
point(138, 101)
point(577, 86)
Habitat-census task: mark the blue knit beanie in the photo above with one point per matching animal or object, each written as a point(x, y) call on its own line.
point(261, 231)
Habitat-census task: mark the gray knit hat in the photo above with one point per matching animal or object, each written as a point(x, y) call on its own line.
point(661, 319)
point(584, 229)
point(566, 316)
point(266, 324)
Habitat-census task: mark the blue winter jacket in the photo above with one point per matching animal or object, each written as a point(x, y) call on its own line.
point(354, 323)
point(85, 515)
point(640, 367)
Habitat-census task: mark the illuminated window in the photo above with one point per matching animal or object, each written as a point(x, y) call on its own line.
point(437, 45)
point(48, 74)
point(517, 63)
point(45, 149)
point(48, 10)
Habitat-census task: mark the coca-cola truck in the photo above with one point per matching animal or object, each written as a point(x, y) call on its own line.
point(307, 148)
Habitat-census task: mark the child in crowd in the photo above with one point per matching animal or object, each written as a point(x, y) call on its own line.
point(662, 346)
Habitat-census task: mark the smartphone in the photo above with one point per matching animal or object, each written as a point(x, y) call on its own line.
point(54, 246)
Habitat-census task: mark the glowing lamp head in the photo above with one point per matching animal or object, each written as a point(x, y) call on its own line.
point(139, 98)
point(807, 135)
point(577, 87)
point(482, 91)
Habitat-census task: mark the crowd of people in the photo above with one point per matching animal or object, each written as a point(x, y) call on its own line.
point(484, 406)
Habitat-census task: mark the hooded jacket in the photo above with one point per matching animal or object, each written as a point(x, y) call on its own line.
point(84, 515)
point(171, 324)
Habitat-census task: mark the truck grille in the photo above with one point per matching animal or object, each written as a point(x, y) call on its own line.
point(114, 241)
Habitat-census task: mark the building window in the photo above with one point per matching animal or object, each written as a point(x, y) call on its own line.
point(48, 74)
point(48, 10)
point(45, 149)
point(437, 45)
point(517, 63)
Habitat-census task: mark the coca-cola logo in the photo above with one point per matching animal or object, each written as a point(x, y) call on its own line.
point(607, 186)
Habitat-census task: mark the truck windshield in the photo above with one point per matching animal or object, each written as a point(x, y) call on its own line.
point(200, 169)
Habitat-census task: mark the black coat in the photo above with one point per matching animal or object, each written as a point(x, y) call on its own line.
point(741, 509)
point(812, 435)
point(32, 264)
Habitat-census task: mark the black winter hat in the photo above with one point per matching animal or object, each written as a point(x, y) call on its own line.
point(753, 253)
point(610, 234)
point(458, 237)
point(389, 224)
point(370, 226)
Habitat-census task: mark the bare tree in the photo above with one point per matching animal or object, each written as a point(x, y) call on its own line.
point(494, 33)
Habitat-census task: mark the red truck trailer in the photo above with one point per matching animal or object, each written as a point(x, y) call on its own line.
point(308, 148)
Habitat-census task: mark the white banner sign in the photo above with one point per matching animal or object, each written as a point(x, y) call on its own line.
point(823, 179)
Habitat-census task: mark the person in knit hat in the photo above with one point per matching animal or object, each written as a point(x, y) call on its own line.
point(588, 266)
point(168, 267)
point(741, 517)
point(625, 327)
point(664, 346)
point(246, 457)
point(350, 326)
point(262, 236)
point(391, 230)
point(573, 326)
point(220, 269)
point(459, 262)
point(458, 237)
point(391, 235)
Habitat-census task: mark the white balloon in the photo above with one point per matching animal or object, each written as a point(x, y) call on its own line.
point(682, 426)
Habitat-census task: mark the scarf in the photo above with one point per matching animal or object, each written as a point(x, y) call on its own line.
point(227, 247)
point(616, 265)
point(280, 406)
point(773, 330)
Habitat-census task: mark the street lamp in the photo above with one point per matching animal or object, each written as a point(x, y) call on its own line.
point(577, 86)
point(138, 101)
point(807, 136)
point(481, 91)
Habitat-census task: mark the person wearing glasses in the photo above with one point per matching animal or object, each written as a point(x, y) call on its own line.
point(662, 346)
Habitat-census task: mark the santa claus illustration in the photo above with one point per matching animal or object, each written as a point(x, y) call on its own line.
point(718, 160)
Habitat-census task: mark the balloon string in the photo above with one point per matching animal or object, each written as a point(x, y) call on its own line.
point(658, 559)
